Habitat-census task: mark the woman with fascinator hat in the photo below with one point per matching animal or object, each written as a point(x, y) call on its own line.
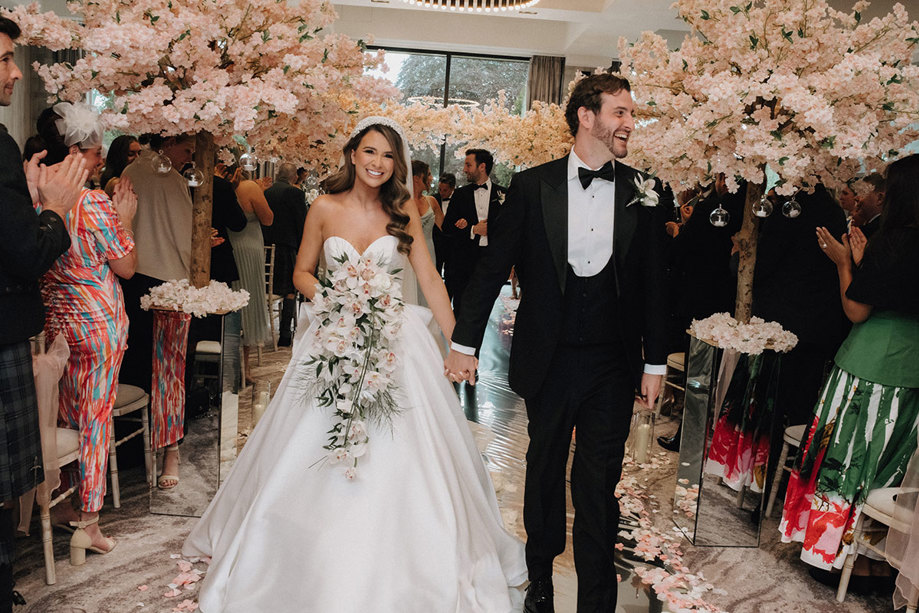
point(417, 529)
point(85, 304)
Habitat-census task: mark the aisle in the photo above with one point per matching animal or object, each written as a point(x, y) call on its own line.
point(764, 580)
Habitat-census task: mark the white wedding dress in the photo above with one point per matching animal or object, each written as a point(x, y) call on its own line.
point(418, 530)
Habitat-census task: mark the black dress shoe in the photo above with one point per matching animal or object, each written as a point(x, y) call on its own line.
point(539, 596)
point(670, 443)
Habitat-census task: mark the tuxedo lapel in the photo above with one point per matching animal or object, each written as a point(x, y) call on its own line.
point(553, 195)
point(626, 217)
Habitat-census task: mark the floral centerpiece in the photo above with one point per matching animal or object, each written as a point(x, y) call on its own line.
point(174, 295)
point(751, 338)
point(358, 307)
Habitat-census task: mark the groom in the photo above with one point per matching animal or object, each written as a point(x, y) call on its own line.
point(587, 245)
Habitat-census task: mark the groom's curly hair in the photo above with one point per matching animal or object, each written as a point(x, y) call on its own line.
point(588, 93)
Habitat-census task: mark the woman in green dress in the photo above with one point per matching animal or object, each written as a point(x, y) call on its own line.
point(865, 424)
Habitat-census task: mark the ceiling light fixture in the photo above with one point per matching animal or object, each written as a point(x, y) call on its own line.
point(474, 6)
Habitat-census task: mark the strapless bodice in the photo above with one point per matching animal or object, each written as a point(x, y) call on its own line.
point(383, 251)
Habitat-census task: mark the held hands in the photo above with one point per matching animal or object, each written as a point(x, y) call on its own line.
point(839, 252)
point(59, 188)
point(460, 367)
point(125, 202)
point(481, 228)
point(650, 388)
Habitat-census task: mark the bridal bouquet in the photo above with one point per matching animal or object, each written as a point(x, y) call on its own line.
point(351, 365)
point(752, 338)
point(180, 295)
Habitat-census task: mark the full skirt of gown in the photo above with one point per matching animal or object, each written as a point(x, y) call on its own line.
point(418, 530)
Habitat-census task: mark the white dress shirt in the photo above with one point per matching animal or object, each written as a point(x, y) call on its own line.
point(482, 198)
point(591, 214)
point(590, 221)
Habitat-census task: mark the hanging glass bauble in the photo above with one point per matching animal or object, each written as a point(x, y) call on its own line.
point(194, 176)
point(719, 217)
point(791, 208)
point(763, 208)
point(161, 164)
point(248, 162)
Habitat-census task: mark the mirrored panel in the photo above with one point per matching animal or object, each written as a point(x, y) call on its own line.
point(724, 449)
point(209, 447)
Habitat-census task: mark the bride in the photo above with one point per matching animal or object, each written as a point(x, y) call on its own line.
point(418, 529)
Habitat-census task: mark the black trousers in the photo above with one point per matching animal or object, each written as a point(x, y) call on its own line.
point(590, 389)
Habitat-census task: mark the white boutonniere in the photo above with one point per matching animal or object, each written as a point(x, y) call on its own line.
point(500, 198)
point(644, 192)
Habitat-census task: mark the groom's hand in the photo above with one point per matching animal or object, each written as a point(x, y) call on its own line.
point(460, 367)
point(650, 388)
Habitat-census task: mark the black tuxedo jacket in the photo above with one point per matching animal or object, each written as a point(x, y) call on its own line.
point(462, 206)
point(531, 234)
point(29, 245)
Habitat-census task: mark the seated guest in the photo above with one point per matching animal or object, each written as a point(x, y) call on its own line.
point(864, 428)
point(122, 152)
point(85, 304)
point(867, 213)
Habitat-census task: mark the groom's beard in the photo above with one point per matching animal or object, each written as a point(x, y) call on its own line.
point(607, 135)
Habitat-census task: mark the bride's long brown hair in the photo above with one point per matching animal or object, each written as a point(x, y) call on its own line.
point(393, 194)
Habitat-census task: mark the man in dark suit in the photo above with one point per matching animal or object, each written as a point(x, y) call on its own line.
point(867, 214)
point(586, 237)
point(466, 221)
point(29, 245)
point(445, 188)
point(288, 203)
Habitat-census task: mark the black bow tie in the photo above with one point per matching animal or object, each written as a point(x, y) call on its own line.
point(586, 175)
point(482, 186)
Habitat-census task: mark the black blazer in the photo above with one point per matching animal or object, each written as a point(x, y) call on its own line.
point(288, 203)
point(531, 234)
point(29, 245)
point(462, 206)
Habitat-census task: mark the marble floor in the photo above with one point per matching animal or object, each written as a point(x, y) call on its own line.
point(136, 575)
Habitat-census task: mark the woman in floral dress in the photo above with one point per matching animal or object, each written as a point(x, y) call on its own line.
point(865, 425)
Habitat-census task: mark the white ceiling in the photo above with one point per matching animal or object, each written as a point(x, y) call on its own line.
point(584, 31)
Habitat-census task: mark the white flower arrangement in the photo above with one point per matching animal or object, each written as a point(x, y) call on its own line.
point(359, 310)
point(180, 295)
point(645, 193)
point(751, 338)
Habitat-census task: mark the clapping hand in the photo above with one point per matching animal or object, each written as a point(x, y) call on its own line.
point(31, 169)
point(857, 243)
point(125, 202)
point(59, 188)
point(839, 252)
point(460, 367)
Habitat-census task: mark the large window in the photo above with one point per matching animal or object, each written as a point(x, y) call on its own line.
point(450, 78)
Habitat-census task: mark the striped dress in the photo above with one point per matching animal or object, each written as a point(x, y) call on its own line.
point(85, 304)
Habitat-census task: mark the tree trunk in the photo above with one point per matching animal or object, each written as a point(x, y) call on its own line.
point(747, 238)
point(201, 211)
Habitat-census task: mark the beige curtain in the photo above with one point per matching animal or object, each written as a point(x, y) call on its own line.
point(546, 79)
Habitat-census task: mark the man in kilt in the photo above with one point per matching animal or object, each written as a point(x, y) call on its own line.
point(29, 244)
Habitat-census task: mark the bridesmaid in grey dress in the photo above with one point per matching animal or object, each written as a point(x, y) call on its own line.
point(428, 209)
point(249, 253)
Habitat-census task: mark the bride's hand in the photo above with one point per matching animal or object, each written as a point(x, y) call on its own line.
point(460, 367)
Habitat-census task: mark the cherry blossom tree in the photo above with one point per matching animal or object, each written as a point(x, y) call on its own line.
point(812, 92)
point(260, 69)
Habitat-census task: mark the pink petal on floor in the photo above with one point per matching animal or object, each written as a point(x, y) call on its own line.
point(143, 588)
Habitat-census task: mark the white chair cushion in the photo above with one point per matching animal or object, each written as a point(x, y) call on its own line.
point(881, 505)
point(795, 434)
point(128, 394)
point(68, 442)
point(208, 347)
